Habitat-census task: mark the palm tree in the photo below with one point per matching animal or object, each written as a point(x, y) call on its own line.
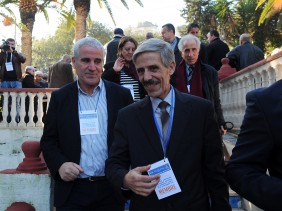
point(28, 10)
point(82, 8)
point(271, 8)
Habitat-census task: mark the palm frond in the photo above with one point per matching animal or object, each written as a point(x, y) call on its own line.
point(140, 3)
point(109, 10)
point(100, 3)
point(124, 4)
point(70, 18)
point(260, 3)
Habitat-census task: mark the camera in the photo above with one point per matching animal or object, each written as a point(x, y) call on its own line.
point(5, 45)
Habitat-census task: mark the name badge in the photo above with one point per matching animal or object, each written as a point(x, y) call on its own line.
point(130, 87)
point(9, 66)
point(88, 122)
point(168, 184)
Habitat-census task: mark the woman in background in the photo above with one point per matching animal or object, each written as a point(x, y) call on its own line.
point(123, 71)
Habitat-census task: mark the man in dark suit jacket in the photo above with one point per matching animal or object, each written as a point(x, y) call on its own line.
point(60, 74)
point(216, 49)
point(78, 132)
point(112, 47)
point(191, 143)
point(258, 150)
point(244, 54)
point(168, 35)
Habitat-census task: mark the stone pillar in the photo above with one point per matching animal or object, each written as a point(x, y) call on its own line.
point(225, 70)
point(32, 162)
point(20, 206)
point(28, 184)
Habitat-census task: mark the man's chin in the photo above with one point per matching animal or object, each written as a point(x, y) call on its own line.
point(153, 92)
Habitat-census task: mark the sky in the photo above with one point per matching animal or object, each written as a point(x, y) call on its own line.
point(158, 12)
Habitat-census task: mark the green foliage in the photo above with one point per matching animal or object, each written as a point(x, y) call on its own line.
point(270, 8)
point(233, 18)
point(101, 32)
point(49, 50)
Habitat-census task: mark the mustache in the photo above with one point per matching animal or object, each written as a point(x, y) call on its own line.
point(150, 82)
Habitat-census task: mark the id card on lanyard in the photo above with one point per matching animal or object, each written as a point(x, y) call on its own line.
point(88, 119)
point(9, 65)
point(168, 184)
point(89, 123)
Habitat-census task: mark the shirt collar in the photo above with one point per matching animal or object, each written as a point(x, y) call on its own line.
point(99, 87)
point(156, 101)
point(173, 43)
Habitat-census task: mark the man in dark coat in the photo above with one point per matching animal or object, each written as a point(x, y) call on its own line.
point(244, 54)
point(112, 47)
point(216, 49)
point(255, 168)
point(148, 162)
point(10, 65)
point(78, 133)
point(197, 78)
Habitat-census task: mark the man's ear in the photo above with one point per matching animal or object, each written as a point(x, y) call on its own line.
point(172, 68)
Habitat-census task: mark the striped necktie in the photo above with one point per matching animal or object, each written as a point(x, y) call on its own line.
point(190, 70)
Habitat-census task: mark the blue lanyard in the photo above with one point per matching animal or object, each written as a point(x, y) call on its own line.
point(166, 140)
point(96, 102)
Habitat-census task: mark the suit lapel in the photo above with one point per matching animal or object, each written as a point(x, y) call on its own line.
point(147, 123)
point(182, 112)
point(111, 99)
point(74, 98)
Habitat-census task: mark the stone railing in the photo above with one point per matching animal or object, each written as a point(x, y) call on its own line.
point(233, 89)
point(24, 107)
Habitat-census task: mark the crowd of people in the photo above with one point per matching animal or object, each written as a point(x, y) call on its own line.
point(146, 124)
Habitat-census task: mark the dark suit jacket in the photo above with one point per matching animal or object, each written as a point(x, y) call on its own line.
point(216, 50)
point(61, 140)
point(194, 152)
point(28, 81)
point(258, 149)
point(112, 49)
point(244, 55)
point(60, 74)
point(178, 57)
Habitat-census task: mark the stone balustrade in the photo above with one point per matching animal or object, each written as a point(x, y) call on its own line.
point(24, 107)
point(233, 89)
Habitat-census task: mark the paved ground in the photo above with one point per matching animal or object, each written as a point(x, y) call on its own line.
point(230, 141)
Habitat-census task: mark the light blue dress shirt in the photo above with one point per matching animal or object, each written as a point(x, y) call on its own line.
point(157, 110)
point(94, 148)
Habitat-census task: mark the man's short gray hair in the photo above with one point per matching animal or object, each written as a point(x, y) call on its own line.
point(245, 37)
point(90, 41)
point(158, 46)
point(188, 37)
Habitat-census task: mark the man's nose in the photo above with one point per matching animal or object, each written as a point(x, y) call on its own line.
point(92, 66)
point(147, 75)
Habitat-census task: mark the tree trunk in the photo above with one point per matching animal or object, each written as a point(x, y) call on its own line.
point(27, 12)
point(82, 10)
